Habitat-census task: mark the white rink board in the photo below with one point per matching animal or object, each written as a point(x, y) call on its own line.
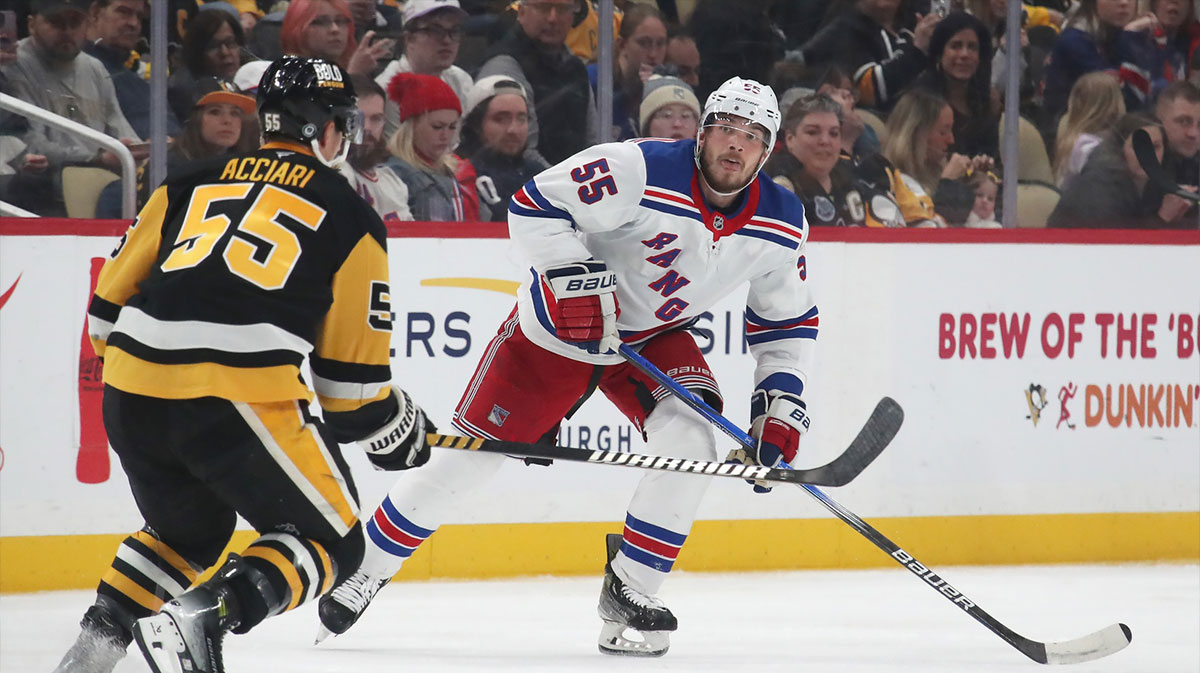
point(967, 446)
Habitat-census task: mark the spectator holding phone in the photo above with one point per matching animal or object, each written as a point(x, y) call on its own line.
point(325, 29)
point(870, 41)
point(369, 15)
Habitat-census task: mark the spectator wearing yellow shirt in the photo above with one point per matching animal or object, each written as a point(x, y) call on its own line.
point(920, 132)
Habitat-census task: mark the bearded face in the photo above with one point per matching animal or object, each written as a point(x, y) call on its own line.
point(731, 150)
point(368, 154)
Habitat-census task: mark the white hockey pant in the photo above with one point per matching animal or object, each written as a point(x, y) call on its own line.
point(668, 499)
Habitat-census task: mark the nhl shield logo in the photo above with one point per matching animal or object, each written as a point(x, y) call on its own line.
point(718, 222)
point(498, 415)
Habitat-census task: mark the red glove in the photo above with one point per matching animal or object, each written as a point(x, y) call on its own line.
point(778, 440)
point(580, 318)
point(778, 432)
point(585, 309)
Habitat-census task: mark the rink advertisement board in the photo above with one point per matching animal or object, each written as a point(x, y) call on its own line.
point(1050, 380)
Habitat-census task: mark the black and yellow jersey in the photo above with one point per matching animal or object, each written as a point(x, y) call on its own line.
point(234, 272)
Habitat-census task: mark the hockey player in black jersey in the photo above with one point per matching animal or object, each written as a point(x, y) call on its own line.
point(236, 270)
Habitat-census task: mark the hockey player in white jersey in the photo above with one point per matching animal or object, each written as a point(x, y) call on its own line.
point(628, 242)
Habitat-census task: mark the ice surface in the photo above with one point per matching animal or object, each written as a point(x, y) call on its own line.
point(813, 622)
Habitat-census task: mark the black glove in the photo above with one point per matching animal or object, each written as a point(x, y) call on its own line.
point(400, 444)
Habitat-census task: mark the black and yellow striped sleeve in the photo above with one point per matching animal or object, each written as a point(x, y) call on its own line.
point(128, 265)
point(351, 363)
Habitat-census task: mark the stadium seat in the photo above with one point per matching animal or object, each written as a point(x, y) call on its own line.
point(1033, 163)
point(81, 188)
point(1035, 202)
point(873, 120)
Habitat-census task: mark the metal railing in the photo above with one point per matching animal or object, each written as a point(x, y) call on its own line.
point(10, 210)
point(128, 168)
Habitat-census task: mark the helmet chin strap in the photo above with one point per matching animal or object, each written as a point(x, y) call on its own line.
point(338, 159)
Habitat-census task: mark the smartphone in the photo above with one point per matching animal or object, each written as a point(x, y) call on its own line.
point(940, 7)
point(8, 30)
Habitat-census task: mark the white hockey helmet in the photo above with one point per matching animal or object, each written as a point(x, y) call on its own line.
point(748, 99)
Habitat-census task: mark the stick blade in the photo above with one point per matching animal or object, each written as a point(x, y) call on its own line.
point(1088, 648)
point(1143, 149)
point(876, 434)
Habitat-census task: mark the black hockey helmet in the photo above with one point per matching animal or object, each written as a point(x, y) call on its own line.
point(297, 95)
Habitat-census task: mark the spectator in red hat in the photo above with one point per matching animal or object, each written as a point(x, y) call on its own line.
point(441, 186)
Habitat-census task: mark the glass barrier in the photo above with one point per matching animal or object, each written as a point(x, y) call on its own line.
point(888, 114)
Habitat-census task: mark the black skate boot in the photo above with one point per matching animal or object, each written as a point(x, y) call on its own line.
point(623, 609)
point(186, 635)
point(101, 643)
point(341, 607)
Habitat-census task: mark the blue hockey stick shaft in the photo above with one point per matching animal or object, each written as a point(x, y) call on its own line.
point(691, 399)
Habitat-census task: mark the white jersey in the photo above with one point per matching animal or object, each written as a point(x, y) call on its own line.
point(637, 207)
point(382, 189)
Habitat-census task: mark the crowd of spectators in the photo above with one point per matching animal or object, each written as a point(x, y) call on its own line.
point(891, 108)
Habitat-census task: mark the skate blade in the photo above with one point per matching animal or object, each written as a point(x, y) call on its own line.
point(322, 634)
point(161, 643)
point(613, 640)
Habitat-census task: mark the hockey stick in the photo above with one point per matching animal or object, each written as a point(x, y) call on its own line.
point(1143, 149)
point(838, 472)
point(1093, 646)
point(874, 437)
point(1086, 648)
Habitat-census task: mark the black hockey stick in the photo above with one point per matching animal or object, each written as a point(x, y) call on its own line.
point(870, 442)
point(1086, 648)
point(1143, 149)
point(1093, 646)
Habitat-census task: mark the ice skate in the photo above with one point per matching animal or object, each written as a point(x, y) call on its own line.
point(100, 645)
point(185, 636)
point(635, 624)
point(340, 608)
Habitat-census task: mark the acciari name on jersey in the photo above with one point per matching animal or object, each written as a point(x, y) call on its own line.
point(265, 169)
